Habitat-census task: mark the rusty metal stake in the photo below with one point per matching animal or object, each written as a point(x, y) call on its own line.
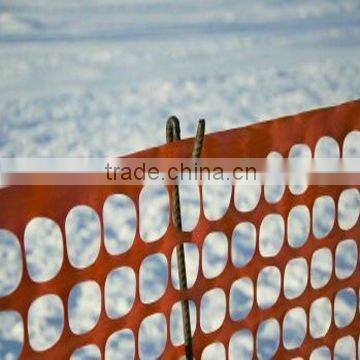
point(173, 134)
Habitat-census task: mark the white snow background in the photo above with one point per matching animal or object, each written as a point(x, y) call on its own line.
point(100, 77)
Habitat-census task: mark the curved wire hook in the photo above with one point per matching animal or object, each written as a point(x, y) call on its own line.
point(172, 129)
point(173, 134)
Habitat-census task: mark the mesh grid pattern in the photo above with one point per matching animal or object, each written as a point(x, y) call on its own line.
point(22, 203)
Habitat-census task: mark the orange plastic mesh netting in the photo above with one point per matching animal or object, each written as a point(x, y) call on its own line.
point(20, 204)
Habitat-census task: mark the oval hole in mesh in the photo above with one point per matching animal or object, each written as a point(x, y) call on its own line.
point(191, 263)
point(82, 227)
point(154, 212)
point(11, 334)
point(153, 278)
point(241, 298)
point(214, 254)
point(267, 339)
point(268, 286)
point(274, 180)
point(241, 345)
point(212, 310)
point(346, 255)
point(190, 206)
point(345, 348)
point(45, 322)
point(243, 242)
point(43, 248)
point(216, 200)
point(296, 277)
point(320, 317)
point(351, 146)
point(246, 197)
point(176, 322)
point(351, 149)
point(119, 216)
point(345, 307)
point(87, 352)
point(327, 147)
point(214, 351)
point(321, 267)
point(84, 306)
point(321, 353)
point(299, 159)
point(348, 208)
point(294, 328)
point(298, 226)
point(11, 262)
point(323, 216)
point(120, 287)
point(152, 336)
point(120, 345)
point(271, 235)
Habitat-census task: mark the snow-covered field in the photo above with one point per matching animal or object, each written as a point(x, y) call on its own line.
point(100, 77)
point(85, 77)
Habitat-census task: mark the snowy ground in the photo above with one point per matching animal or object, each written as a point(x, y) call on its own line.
point(78, 79)
point(100, 78)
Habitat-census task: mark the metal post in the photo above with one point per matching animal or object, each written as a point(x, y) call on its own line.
point(173, 134)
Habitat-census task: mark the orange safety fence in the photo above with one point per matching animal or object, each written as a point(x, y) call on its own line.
point(20, 204)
